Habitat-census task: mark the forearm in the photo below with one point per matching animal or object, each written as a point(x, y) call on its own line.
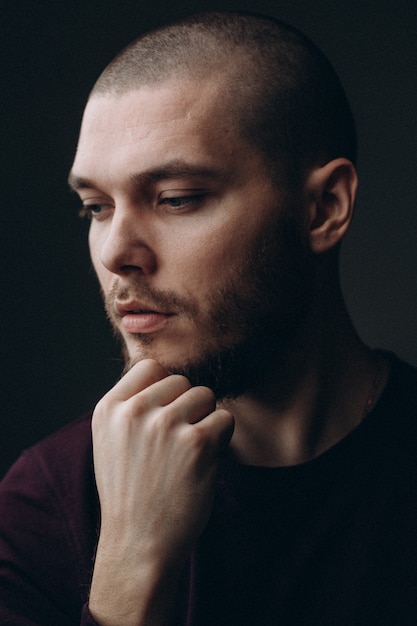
point(132, 590)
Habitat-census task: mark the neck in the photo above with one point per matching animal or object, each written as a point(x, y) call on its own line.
point(313, 400)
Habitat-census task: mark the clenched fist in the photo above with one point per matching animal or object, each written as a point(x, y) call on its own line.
point(156, 442)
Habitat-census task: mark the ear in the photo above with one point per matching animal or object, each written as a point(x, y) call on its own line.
point(331, 192)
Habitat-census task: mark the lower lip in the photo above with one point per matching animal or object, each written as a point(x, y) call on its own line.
point(144, 322)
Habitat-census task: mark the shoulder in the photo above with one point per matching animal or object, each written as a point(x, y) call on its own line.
point(49, 505)
point(55, 474)
point(403, 375)
point(67, 451)
point(399, 400)
point(388, 436)
point(63, 458)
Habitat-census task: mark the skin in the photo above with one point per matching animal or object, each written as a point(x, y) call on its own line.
point(156, 437)
point(141, 242)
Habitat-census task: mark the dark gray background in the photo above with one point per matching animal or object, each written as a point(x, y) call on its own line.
point(57, 353)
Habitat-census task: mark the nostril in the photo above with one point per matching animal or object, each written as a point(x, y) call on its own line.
point(127, 269)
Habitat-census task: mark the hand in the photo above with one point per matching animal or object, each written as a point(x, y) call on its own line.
point(156, 442)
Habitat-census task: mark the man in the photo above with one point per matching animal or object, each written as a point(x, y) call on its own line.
point(254, 465)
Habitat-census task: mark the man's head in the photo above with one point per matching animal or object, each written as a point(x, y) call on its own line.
point(209, 202)
point(278, 87)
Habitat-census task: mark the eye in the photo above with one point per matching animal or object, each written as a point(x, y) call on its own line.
point(95, 211)
point(187, 202)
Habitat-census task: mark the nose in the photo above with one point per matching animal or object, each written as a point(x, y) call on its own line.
point(124, 244)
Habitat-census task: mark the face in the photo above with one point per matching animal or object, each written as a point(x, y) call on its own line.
point(200, 264)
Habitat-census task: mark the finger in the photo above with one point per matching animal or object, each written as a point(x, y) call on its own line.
point(164, 391)
point(142, 375)
point(193, 405)
point(217, 428)
point(220, 424)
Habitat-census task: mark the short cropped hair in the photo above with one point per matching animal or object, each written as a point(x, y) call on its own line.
point(282, 91)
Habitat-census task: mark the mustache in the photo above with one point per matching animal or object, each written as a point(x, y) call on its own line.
point(160, 300)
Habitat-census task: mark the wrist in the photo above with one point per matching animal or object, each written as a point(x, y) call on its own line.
point(132, 589)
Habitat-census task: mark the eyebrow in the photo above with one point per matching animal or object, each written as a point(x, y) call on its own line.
point(173, 169)
point(77, 182)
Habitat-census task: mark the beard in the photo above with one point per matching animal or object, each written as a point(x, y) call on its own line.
point(256, 316)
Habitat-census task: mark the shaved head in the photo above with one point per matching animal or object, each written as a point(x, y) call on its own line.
point(278, 88)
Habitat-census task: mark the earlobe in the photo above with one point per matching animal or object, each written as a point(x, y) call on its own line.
point(332, 191)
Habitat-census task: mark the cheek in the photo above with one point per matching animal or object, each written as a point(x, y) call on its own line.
point(210, 257)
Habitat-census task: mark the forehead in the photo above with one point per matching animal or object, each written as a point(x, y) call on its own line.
point(172, 118)
point(188, 100)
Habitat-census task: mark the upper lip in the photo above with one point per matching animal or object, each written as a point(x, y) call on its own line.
point(135, 306)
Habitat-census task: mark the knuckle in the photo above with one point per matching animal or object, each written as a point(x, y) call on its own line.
point(198, 437)
point(180, 381)
point(180, 378)
point(152, 427)
point(166, 417)
point(205, 395)
point(226, 418)
point(139, 404)
point(146, 369)
point(150, 365)
point(101, 409)
point(159, 425)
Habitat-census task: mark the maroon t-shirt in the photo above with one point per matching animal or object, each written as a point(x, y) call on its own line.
point(332, 542)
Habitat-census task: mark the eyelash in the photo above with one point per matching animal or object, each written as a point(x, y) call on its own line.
point(175, 203)
point(180, 202)
point(86, 211)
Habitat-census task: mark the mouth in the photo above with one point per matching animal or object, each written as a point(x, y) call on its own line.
point(137, 317)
